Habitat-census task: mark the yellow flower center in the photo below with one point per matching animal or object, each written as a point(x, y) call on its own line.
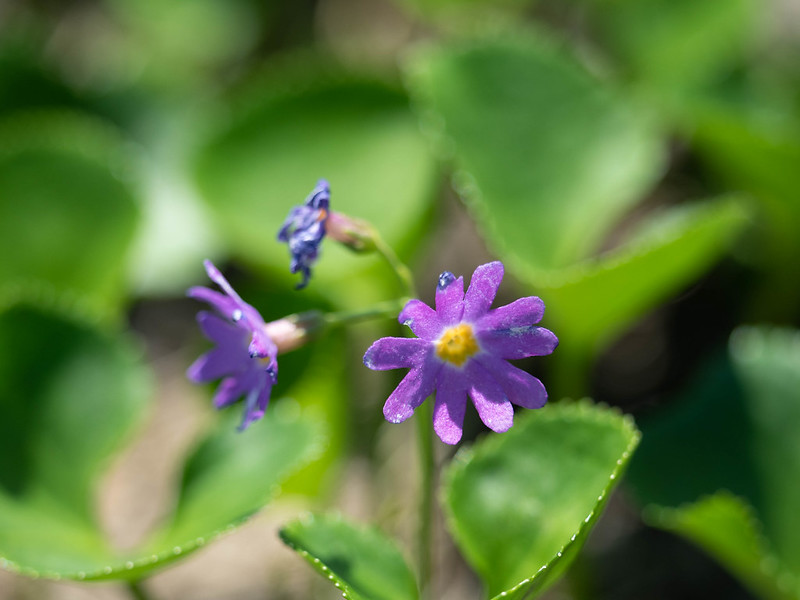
point(457, 344)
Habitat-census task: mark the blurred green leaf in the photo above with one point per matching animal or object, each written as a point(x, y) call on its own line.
point(735, 429)
point(362, 562)
point(163, 36)
point(356, 132)
point(230, 476)
point(548, 158)
point(726, 527)
point(667, 253)
point(68, 208)
point(674, 45)
point(70, 397)
point(520, 505)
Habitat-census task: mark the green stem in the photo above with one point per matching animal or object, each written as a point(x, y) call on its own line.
point(390, 308)
point(401, 270)
point(137, 591)
point(424, 418)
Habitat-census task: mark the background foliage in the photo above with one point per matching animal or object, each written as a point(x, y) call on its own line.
point(632, 162)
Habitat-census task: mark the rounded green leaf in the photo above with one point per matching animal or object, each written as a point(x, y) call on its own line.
point(70, 397)
point(232, 474)
point(665, 255)
point(520, 505)
point(362, 562)
point(547, 156)
point(734, 429)
point(68, 211)
point(357, 133)
point(673, 45)
point(727, 528)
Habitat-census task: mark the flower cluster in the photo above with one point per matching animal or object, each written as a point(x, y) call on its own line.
point(462, 350)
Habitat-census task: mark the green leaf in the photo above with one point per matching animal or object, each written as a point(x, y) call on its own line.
point(521, 504)
point(68, 212)
point(665, 255)
point(672, 45)
point(548, 157)
point(735, 430)
point(727, 528)
point(362, 562)
point(295, 128)
point(232, 475)
point(70, 397)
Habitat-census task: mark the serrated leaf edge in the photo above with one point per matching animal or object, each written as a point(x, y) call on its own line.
point(316, 563)
point(568, 407)
point(130, 569)
point(664, 517)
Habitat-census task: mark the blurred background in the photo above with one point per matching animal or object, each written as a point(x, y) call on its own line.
point(636, 163)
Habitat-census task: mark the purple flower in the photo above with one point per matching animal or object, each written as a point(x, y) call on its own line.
point(462, 349)
point(304, 229)
point(245, 355)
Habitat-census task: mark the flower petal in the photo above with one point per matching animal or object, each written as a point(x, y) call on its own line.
point(256, 404)
point(450, 298)
point(221, 302)
point(518, 342)
point(482, 290)
point(421, 319)
point(224, 333)
point(525, 311)
point(397, 353)
point(252, 316)
point(417, 385)
point(489, 399)
point(216, 363)
point(450, 406)
point(233, 388)
point(521, 388)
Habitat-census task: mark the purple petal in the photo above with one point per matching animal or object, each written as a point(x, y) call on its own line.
point(261, 345)
point(216, 363)
point(221, 302)
point(397, 353)
point(518, 342)
point(224, 333)
point(521, 388)
point(247, 311)
point(255, 405)
point(421, 319)
point(489, 399)
point(417, 385)
point(233, 388)
point(450, 299)
point(450, 406)
point(525, 311)
point(482, 290)
point(290, 222)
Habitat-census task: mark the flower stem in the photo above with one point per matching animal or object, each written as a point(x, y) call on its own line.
point(424, 418)
point(137, 591)
point(401, 270)
point(390, 308)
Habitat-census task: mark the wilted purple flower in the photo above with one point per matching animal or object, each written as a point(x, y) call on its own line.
point(462, 348)
point(304, 229)
point(245, 355)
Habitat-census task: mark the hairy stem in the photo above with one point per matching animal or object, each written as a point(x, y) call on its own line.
point(401, 270)
point(424, 418)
